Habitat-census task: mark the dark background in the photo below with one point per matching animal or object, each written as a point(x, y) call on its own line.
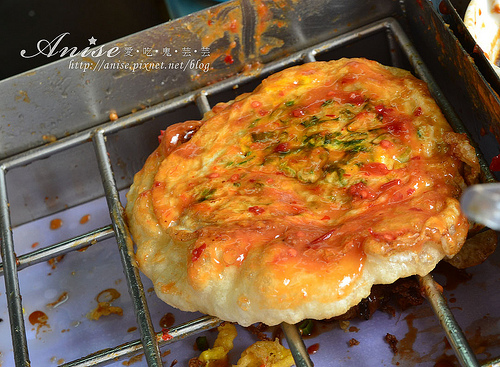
point(24, 23)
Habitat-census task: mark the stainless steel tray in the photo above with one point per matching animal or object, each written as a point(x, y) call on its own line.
point(93, 157)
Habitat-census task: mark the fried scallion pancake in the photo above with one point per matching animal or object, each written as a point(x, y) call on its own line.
point(290, 202)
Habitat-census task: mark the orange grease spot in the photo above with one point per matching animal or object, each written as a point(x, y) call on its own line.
point(56, 223)
point(85, 219)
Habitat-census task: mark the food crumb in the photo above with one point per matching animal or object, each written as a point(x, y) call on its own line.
point(49, 138)
point(392, 341)
point(131, 329)
point(344, 324)
point(353, 329)
point(113, 116)
point(54, 261)
point(23, 95)
point(35, 244)
point(353, 342)
point(104, 307)
point(258, 331)
point(195, 362)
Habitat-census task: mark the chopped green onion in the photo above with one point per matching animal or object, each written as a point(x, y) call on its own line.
point(314, 120)
point(306, 327)
point(349, 115)
point(263, 136)
point(202, 343)
point(206, 194)
point(289, 103)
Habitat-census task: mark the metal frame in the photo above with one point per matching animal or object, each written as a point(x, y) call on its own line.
point(151, 341)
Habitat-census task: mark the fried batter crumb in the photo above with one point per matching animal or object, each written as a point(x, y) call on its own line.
point(344, 325)
point(392, 341)
point(353, 342)
point(104, 309)
point(257, 330)
point(401, 295)
point(195, 362)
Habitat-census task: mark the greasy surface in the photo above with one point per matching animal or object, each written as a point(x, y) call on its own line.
point(291, 201)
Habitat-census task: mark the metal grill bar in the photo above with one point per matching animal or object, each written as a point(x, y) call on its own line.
point(495, 363)
point(202, 103)
point(13, 293)
point(309, 57)
point(296, 344)
point(174, 334)
point(150, 343)
point(187, 329)
point(86, 135)
point(350, 37)
point(455, 335)
point(61, 248)
point(393, 44)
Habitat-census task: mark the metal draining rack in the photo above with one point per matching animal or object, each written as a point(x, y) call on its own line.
point(151, 341)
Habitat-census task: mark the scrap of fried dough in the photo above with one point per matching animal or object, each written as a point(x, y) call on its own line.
point(290, 202)
point(261, 353)
point(475, 250)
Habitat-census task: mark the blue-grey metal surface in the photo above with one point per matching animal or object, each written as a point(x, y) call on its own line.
point(454, 333)
point(13, 294)
point(125, 247)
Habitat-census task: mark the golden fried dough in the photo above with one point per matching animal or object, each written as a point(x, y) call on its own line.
point(290, 202)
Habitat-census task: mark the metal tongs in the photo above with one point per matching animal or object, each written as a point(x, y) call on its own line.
point(481, 203)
